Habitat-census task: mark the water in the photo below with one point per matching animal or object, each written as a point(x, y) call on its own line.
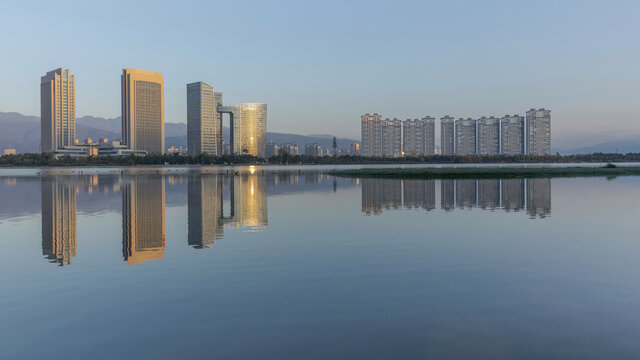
point(239, 263)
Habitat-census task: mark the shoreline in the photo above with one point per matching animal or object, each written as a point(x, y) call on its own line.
point(489, 172)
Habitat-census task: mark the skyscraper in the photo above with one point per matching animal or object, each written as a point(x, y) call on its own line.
point(203, 121)
point(447, 135)
point(539, 132)
point(57, 110)
point(250, 129)
point(512, 135)
point(465, 137)
point(143, 110)
point(488, 136)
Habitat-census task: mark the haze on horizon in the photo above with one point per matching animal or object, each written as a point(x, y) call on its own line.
point(321, 65)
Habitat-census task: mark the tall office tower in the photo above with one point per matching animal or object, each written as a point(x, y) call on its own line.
point(465, 137)
point(419, 194)
point(447, 135)
point(538, 197)
point(392, 137)
point(143, 110)
point(59, 240)
point(539, 132)
point(355, 149)
point(512, 135)
point(204, 209)
point(371, 131)
point(203, 126)
point(57, 110)
point(250, 129)
point(447, 194)
point(489, 193)
point(413, 137)
point(488, 136)
point(466, 193)
point(512, 194)
point(143, 225)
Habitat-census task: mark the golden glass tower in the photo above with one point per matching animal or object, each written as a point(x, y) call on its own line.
point(57, 110)
point(143, 110)
point(250, 129)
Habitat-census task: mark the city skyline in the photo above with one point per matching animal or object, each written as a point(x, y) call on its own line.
point(564, 72)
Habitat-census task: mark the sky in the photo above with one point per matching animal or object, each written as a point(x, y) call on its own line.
point(320, 65)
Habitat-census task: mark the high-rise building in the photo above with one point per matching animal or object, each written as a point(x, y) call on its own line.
point(249, 129)
point(143, 110)
point(59, 241)
point(488, 136)
point(392, 137)
point(512, 135)
point(371, 127)
point(313, 150)
point(143, 225)
point(419, 136)
point(203, 126)
point(447, 135)
point(289, 148)
point(355, 149)
point(465, 137)
point(57, 110)
point(539, 132)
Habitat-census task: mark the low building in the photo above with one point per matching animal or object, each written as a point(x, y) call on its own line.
point(271, 149)
point(9, 152)
point(115, 148)
point(289, 148)
point(313, 150)
point(177, 150)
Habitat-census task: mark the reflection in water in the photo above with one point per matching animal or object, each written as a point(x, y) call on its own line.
point(204, 206)
point(490, 194)
point(143, 226)
point(59, 242)
point(248, 203)
point(538, 197)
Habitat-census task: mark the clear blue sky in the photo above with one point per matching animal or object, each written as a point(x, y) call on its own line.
point(320, 65)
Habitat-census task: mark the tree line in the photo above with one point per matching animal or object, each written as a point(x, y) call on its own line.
point(48, 159)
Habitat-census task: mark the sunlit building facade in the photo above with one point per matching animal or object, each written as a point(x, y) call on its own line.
point(371, 131)
point(249, 129)
point(203, 121)
point(57, 110)
point(143, 110)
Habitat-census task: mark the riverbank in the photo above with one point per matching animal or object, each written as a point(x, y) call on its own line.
point(489, 173)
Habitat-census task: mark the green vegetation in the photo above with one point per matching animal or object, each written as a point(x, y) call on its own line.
point(489, 172)
point(47, 159)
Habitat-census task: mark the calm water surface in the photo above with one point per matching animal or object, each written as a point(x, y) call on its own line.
point(237, 264)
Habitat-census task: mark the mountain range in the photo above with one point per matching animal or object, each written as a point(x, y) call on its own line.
point(22, 132)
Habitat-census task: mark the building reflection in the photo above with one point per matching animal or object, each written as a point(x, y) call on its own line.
point(248, 202)
point(538, 198)
point(59, 242)
point(488, 194)
point(204, 208)
point(143, 223)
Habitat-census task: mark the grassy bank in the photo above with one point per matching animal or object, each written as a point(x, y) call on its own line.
point(488, 173)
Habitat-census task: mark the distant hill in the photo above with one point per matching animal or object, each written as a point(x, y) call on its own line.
point(619, 146)
point(22, 132)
